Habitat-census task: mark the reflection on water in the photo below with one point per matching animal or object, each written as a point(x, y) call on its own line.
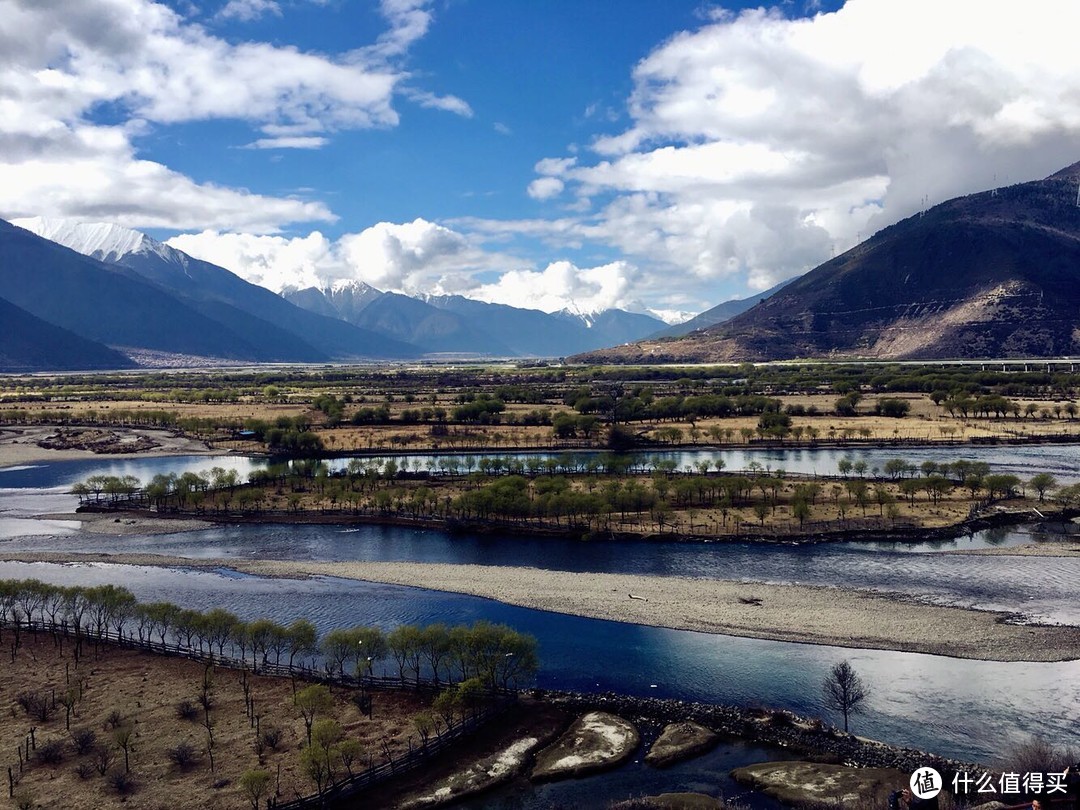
point(967, 709)
point(1062, 460)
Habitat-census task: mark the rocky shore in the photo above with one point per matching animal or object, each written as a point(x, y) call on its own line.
point(805, 737)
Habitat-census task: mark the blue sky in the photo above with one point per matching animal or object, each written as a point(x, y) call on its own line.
point(656, 156)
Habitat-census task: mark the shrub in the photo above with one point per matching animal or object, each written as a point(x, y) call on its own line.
point(51, 752)
point(1038, 754)
point(83, 740)
point(272, 736)
point(122, 782)
point(183, 755)
point(84, 770)
point(114, 719)
point(36, 705)
point(103, 758)
point(186, 710)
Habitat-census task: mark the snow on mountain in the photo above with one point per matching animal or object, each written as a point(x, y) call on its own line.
point(352, 285)
point(99, 240)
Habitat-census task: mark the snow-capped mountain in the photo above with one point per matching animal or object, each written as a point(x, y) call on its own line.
point(258, 317)
point(103, 241)
point(344, 314)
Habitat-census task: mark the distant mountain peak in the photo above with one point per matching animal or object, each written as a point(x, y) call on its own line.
point(350, 285)
point(104, 241)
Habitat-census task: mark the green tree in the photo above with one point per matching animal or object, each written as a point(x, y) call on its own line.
point(311, 702)
point(254, 785)
point(1042, 483)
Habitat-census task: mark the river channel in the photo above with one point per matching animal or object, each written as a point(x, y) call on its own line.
point(967, 709)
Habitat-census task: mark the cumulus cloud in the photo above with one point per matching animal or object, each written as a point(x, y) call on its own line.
point(563, 285)
point(63, 62)
point(275, 262)
point(424, 257)
point(543, 188)
point(761, 144)
point(410, 257)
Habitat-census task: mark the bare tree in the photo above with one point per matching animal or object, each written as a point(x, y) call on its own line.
point(844, 691)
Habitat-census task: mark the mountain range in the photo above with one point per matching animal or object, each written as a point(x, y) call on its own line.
point(457, 325)
point(86, 296)
point(993, 274)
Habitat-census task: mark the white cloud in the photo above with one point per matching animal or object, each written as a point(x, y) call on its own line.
point(432, 101)
point(274, 262)
point(288, 142)
point(563, 285)
point(760, 144)
point(410, 257)
point(63, 61)
point(424, 257)
point(247, 10)
point(543, 188)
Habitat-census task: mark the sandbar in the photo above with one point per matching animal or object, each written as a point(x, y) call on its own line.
point(841, 617)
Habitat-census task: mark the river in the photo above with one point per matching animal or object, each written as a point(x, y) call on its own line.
point(967, 709)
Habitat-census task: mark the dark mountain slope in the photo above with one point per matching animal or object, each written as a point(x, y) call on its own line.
point(28, 343)
point(995, 274)
point(107, 303)
point(222, 294)
point(428, 327)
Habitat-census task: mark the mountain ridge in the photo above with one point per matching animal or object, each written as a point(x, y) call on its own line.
point(991, 274)
point(269, 326)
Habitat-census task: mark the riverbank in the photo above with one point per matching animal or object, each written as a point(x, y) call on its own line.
point(876, 530)
point(22, 444)
point(814, 615)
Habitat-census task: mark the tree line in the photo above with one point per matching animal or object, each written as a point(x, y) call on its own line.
point(495, 655)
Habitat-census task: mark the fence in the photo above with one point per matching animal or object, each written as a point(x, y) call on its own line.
point(499, 701)
point(375, 775)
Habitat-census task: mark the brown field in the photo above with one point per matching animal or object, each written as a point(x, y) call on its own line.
point(926, 423)
point(145, 690)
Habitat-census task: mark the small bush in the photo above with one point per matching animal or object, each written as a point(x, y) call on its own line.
point(272, 736)
point(1038, 754)
point(85, 770)
point(83, 740)
point(36, 705)
point(186, 710)
point(114, 719)
point(51, 752)
point(24, 800)
point(103, 758)
point(183, 755)
point(122, 782)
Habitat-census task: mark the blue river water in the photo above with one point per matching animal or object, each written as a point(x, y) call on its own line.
point(968, 709)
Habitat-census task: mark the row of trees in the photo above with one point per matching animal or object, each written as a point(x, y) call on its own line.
point(498, 656)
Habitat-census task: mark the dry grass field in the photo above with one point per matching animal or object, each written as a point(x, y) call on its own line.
point(143, 691)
